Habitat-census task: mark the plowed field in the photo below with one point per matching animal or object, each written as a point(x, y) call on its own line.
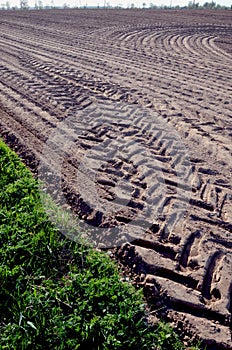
point(127, 117)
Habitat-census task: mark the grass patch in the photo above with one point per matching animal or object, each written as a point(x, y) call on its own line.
point(56, 293)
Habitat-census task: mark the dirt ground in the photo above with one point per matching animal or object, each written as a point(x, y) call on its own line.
point(126, 115)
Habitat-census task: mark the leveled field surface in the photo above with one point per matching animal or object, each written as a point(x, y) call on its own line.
point(127, 117)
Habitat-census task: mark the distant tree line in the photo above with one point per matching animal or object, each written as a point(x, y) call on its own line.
point(192, 5)
point(40, 6)
point(24, 5)
point(207, 5)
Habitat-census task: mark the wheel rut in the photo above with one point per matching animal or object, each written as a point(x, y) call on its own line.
point(128, 122)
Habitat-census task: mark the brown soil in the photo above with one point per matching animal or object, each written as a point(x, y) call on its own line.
point(127, 117)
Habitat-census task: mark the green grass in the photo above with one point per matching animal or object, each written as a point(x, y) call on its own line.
point(56, 293)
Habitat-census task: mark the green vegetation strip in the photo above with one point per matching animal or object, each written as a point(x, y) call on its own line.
point(56, 293)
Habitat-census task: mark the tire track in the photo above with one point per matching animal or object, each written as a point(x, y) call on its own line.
point(76, 90)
